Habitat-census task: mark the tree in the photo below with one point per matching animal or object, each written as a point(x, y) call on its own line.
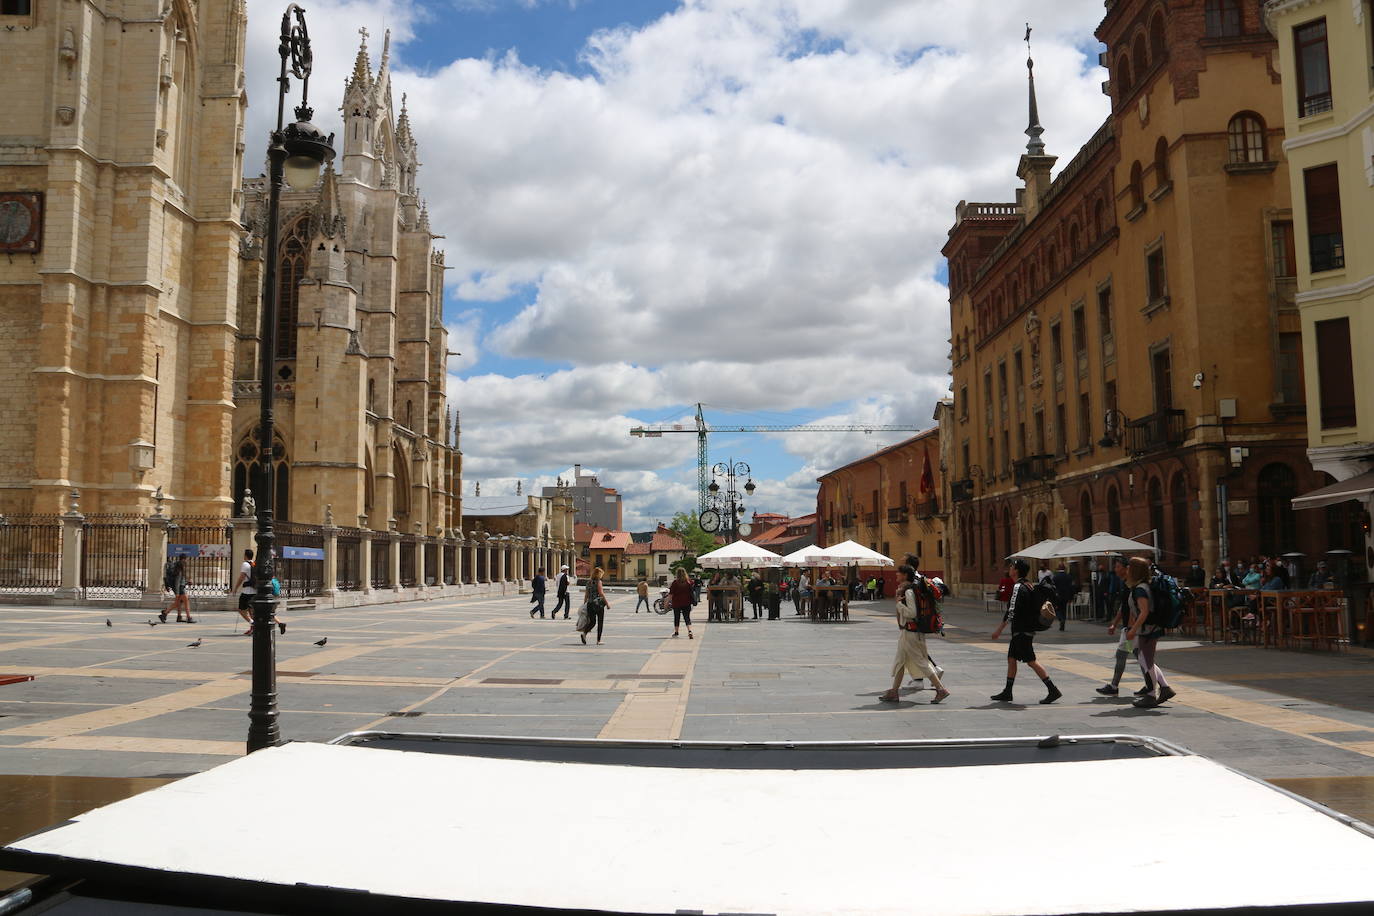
point(695, 541)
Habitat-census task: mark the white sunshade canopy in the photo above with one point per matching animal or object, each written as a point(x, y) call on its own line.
point(738, 555)
point(1358, 487)
point(844, 553)
point(1046, 549)
point(1101, 543)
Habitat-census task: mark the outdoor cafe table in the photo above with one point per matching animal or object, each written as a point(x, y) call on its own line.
point(731, 600)
point(831, 602)
point(1220, 603)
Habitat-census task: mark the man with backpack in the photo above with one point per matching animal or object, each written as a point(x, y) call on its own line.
point(1154, 608)
point(1023, 613)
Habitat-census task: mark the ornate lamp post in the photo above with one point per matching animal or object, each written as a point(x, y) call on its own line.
point(728, 510)
point(296, 153)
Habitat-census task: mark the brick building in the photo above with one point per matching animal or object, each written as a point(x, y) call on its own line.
point(1126, 346)
point(887, 501)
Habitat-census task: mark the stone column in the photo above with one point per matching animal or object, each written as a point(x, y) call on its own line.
point(472, 558)
point(364, 556)
point(240, 539)
point(72, 536)
point(394, 558)
point(440, 545)
point(156, 558)
point(502, 549)
point(331, 561)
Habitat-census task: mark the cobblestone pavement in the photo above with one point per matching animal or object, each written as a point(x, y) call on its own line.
point(132, 700)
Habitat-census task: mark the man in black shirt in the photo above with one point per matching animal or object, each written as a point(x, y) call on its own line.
point(1023, 612)
point(564, 601)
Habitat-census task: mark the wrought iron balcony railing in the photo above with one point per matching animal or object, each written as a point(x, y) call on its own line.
point(961, 491)
point(1032, 469)
point(1156, 432)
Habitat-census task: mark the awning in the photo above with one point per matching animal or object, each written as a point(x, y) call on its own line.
point(1354, 488)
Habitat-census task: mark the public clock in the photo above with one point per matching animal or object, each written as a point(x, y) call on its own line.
point(21, 221)
point(709, 521)
point(745, 529)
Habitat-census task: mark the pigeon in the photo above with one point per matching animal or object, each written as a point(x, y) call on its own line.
point(107, 622)
point(194, 645)
point(152, 622)
point(322, 641)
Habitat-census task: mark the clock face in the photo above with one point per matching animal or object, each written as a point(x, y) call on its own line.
point(21, 220)
point(710, 521)
point(745, 529)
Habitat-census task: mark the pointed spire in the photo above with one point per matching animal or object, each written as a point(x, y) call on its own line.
point(424, 217)
point(362, 67)
point(404, 138)
point(1036, 146)
point(381, 86)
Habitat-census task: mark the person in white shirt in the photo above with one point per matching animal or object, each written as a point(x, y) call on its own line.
point(244, 586)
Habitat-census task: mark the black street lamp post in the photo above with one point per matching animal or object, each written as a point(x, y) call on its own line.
point(295, 154)
point(732, 508)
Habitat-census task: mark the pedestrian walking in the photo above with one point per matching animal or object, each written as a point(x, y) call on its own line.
point(1065, 590)
point(1023, 613)
point(596, 605)
point(680, 594)
point(1146, 632)
point(561, 592)
point(246, 589)
point(1125, 648)
point(174, 577)
point(915, 608)
point(915, 563)
point(537, 586)
point(643, 589)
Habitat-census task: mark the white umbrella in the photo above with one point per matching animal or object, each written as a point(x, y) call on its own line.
point(738, 555)
point(1099, 544)
point(1046, 549)
point(845, 553)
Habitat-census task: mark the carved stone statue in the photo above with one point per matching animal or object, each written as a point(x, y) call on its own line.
point(249, 509)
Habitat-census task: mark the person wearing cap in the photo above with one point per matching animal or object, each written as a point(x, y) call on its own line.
point(1023, 613)
point(564, 601)
point(1321, 577)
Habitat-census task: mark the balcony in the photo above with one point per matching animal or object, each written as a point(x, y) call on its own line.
point(961, 491)
point(871, 519)
point(1032, 469)
point(897, 515)
point(927, 508)
point(1158, 431)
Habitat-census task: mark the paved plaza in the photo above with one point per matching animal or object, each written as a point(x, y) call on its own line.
point(130, 700)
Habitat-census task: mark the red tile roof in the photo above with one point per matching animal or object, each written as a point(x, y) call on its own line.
point(665, 541)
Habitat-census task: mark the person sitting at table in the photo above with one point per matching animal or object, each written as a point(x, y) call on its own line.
point(1254, 578)
point(728, 599)
point(1275, 577)
point(1321, 577)
point(713, 597)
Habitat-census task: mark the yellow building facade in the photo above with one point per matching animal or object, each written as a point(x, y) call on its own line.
point(1326, 50)
point(1126, 345)
point(120, 161)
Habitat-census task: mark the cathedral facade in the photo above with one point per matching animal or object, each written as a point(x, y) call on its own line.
point(362, 417)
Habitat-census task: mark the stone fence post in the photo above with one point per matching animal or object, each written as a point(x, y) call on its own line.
point(156, 558)
point(72, 534)
point(331, 561)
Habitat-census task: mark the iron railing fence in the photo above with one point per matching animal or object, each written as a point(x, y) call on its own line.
point(205, 575)
point(431, 563)
point(30, 553)
point(348, 573)
point(299, 578)
point(450, 564)
point(408, 561)
point(381, 559)
point(114, 554)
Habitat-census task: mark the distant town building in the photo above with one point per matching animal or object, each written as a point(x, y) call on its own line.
point(1326, 53)
point(603, 547)
point(538, 530)
point(594, 504)
point(888, 502)
point(653, 553)
point(781, 534)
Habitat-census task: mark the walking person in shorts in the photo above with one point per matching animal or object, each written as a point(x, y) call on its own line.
point(1125, 648)
point(1023, 613)
point(246, 589)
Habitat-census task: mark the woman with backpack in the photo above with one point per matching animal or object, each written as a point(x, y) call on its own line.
point(916, 616)
point(1145, 633)
point(174, 578)
point(595, 605)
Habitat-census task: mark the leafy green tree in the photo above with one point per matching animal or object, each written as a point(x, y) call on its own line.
point(696, 541)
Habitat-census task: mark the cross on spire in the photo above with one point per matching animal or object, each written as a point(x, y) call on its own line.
point(363, 32)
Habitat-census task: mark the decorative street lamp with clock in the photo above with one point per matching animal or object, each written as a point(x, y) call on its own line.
point(21, 221)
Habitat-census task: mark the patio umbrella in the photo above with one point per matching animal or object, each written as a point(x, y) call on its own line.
point(845, 553)
point(738, 555)
point(1046, 549)
point(1098, 545)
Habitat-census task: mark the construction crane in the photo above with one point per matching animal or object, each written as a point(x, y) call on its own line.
point(701, 430)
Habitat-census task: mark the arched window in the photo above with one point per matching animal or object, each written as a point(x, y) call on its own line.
point(1223, 18)
point(1155, 496)
point(1034, 283)
point(1161, 162)
point(1042, 527)
point(372, 395)
point(993, 555)
point(401, 484)
point(1015, 294)
point(1052, 261)
point(248, 472)
point(1142, 56)
point(1085, 515)
point(1179, 498)
point(369, 481)
point(1136, 187)
point(1245, 138)
point(1006, 527)
point(290, 270)
point(1099, 218)
point(1113, 511)
point(1157, 41)
point(1075, 242)
point(1124, 85)
point(1275, 489)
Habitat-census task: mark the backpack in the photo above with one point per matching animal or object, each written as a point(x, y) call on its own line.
point(1045, 593)
point(928, 616)
point(1168, 601)
point(169, 575)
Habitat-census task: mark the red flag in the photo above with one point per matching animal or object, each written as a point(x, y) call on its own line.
point(927, 477)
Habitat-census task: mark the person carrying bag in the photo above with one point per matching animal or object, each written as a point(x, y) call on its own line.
point(593, 610)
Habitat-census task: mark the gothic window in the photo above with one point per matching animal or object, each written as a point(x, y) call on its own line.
point(248, 472)
point(372, 395)
point(1042, 527)
point(1099, 218)
point(1085, 515)
point(1136, 187)
point(1245, 139)
point(290, 270)
point(1157, 42)
point(369, 480)
point(401, 483)
point(1161, 162)
point(1142, 57)
point(1275, 489)
point(1075, 242)
point(1180, 497)
point(1124, 85)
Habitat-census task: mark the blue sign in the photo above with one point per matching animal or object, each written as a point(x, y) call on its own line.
point(302, 553)
point(183, 550)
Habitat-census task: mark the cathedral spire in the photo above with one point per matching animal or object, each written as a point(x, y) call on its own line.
point(361, 78)
point(1036, 146)
point(403, 135)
